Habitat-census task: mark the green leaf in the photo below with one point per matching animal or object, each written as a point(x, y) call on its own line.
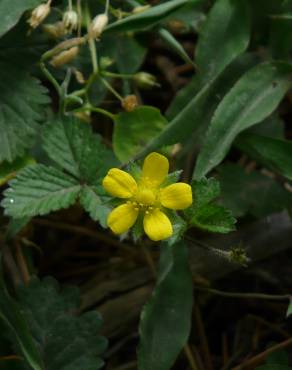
point(12, 12)
point(125, 50)
point(146, 19)
point(73, 146)
point(251, 100)
point(9, 170)
point(12, 317)
point(273, 153)
point(289, 309)
point(166, 319)
point(206, 215)
point(276, 361)
point(95, 204)
point(66, 341)
point(38, 190)
point(21, 102)
point(171, 41)
point(134, 129)
point(225, 26)
point(15, 226)
point(192, 110)
point(251, 193)
point(224, 36)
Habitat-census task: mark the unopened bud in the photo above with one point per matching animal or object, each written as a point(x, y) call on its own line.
point(70, 20)
point(79, 77)
point(55, 30)
point(64, 57)
point(129, 103)
point(144, 80)
point(39, 14)
point(140, 9)
point(98, 25)
point(105, 62)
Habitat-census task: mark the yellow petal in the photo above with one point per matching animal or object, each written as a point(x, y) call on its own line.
point(176, 196)
point(155, 168)
point(122, 218)
point(119, 183)
point(157, 225)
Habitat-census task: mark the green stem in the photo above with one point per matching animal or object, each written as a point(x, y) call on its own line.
point(95, 109)
point(51, 78)
point(117, 75)
point(271, 297)
point(91, 42)
point(111, 89)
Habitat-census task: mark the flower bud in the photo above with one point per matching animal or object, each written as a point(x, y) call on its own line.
point(39, 14)
point(129, 103)
point(55, 30)
point(79, 76)
point(70, 20)
point(105, 62)
point(144, 80)
point(98, 25)
point(140, 9)
point(64, 57)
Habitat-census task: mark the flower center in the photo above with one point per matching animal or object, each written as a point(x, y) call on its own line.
point(145, 197)
point(145, 200)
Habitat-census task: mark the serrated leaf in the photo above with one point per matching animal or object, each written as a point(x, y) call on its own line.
point(21, 101)
point(12, 12)
point(38, 190)
point(205, 191)
point(251, 193)
point(9, 170)
point(73, 146)
point(95, 205)
point(213, 218)
point(146, 19)
point(13, 318)
point(66, 341)
point(252, 99)
point(134, 129)
point(206, 215)
point(273, 153)
point(166, 319)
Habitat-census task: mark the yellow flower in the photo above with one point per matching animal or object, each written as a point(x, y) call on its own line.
point(147, 196)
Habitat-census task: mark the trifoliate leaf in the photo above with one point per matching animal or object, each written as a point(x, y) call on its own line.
point(95, 204)
point(64, 340)
point(206, 215)
point(38, 190)
point(21, 101)
point(73, 146)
